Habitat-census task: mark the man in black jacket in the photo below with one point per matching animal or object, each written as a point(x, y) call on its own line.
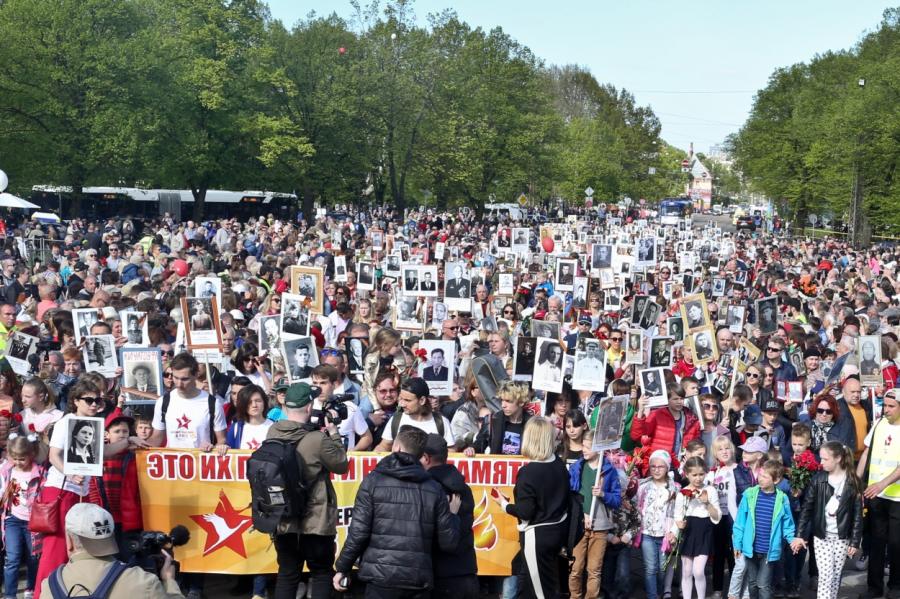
point(456, 571)
point(399, 516)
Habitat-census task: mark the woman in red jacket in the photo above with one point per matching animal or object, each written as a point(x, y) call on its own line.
point(668, 428)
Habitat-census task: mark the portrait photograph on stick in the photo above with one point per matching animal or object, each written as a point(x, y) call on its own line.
point(18, 348)
point(653, 386)
point(438, 368)
point(83, 319)
point(294, 315)
point(869, 356)
point(548, 368)
point(99, 353)
point(135, 328)
point(524, 357)
point(142, 379)
point(203, 327)
point(307, 281)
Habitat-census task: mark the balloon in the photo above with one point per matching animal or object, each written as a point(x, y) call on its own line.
point(180, 267)
point(342, 50)
point(547, 244)
point(4, 181)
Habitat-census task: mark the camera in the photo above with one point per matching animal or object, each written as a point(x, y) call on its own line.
point(334, 404)
point(147, 548)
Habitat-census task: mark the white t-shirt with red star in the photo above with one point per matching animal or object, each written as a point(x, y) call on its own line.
point(252, 435)
point(187, 420)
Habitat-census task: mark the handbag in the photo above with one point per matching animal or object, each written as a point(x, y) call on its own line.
point(45, 514)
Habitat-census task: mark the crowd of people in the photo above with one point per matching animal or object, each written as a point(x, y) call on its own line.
point(755, 376)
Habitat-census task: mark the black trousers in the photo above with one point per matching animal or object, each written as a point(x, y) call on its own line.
point(456, 587)
point(538, 559)
point(374, 591)
point(885, 517)
point(722, 552)
point(293, 550)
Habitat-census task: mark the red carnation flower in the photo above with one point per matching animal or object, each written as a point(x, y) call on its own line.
point(645, 440)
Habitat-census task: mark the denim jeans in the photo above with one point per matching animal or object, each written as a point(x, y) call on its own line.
point(651, 550)
point(510, 587)
point(759, 576)
point(18, 550)
point(737, 587)
point(617, 571)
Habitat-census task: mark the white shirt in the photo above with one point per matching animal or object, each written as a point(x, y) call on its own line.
point(685, 507)
point(54, 476)
point(187, 420)
point(353, 427)
point(428, 426)
point(252, 435)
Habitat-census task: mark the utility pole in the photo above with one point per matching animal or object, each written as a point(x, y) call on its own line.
point(859, 226)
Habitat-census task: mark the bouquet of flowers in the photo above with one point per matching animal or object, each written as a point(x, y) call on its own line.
point(639, 457)
point(802, 469)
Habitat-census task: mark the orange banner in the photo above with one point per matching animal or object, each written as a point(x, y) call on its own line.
point(209, 495)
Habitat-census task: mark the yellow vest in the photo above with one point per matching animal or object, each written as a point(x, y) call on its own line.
point(884, 456)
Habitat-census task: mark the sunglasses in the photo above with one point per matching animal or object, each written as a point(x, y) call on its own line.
point(90, 400)
point(508, 312)
point(331, 352)
point(823, 411)
point(773, 348)
point(452, 328)
point(710, 406)
point(276, 299)
point(752, 375)
point(615, 338)
point(167, 375)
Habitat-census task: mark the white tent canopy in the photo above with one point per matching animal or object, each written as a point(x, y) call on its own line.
point(8, 200)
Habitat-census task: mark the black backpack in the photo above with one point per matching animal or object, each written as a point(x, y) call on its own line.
point(277, 490)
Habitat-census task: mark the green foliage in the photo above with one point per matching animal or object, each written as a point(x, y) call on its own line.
point(813, 126)
point(215, 94)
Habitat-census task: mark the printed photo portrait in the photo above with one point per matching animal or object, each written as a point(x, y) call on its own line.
point(365, 276)
point(99, 353)
point(301, 357)
point(869, 356)
point(543, 328)
point(734, 318)
point(590, 366)
point(661, 352)
point(675, 328)
point(523, 359)
point(141, 375)
point(207, 287)
point(565, 274)
point(270, 333)
point(307, 281)
point(634, 346)
point(135, 328)
point(601, 256)
point(18, 348)
point(428, 281)
point(521, 239)
point(767, 315)
point(340, 269)
point(294, 315)
point(579, 293)
point(703, 346)
point(439, 367)
point(84, 446)
point(356, 352)
point(695, 312)
point(653, 386)
point(83, 319)
point(548, 368)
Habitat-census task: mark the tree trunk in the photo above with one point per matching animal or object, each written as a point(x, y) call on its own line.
point(308, 205)
point(199, 202)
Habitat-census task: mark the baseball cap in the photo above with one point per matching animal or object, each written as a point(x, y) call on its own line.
point(94, 527)
point(752, 415)
point(755, 445)
point(299, 395)
point(584, 319)
point(80, 266)
point(770, 404)
point(417, 386)
point(281, 384)
point(118, 416)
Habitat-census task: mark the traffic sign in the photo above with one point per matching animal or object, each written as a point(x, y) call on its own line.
point(685, 163)
point(589, 191)
point(523, 199)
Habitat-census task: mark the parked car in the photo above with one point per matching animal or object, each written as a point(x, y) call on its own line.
point(745, 221)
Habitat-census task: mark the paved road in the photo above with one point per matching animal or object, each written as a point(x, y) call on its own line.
point(724, 221)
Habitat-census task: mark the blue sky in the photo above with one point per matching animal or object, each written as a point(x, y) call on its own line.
point(663, 51)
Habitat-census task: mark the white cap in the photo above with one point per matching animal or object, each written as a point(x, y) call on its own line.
point(237, 314)
point(94, 527)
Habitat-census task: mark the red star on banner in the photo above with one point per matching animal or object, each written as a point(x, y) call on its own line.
point(183, 422)
point(224, 528)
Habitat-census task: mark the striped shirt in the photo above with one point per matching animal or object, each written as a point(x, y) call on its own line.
point(765, 506)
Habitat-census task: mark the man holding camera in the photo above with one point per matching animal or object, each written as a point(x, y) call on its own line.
point(352, 425)
point(92, 567)
point(309, 539)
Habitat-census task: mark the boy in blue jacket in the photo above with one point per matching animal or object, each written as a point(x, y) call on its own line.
point(583, 479)
point(763, 521)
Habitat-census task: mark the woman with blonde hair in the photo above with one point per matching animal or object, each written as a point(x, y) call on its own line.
point(363, 311)
point(541, 504)
point(502, 431)
point(385, 352)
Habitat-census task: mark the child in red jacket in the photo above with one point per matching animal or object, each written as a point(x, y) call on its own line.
point(117, 490)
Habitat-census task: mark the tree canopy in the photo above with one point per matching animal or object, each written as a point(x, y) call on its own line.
point(815, 126)
point(204, 94)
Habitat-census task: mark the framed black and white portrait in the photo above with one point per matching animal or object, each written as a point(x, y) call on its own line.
point(84, 319)
point(356, 354)
point(767, 314)
point(294, 315)
point(100, 355)
point(702, 343)
point(718, 287)
point(141, 375)
point(270, 333)
point(734, 318)
point(365, 275)
point(634, 346)
point(18, 347)
point(565, 274)
point(675, 328)
point(590, 366)
point(457, 287)
point(544, 328)
point(694, 312)
point(300, 356)
point(579, 293)
point(439, 366)
point(203, 327)
point(661, 352)
point(548, 367)
point(524, 358)
point(601, 256)
point(208, 287)
point(340, 269)
point(653, 387)
point(135, 328)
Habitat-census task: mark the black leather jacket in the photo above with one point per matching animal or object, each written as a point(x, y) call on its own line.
point(400, 515)
point(849, 513)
